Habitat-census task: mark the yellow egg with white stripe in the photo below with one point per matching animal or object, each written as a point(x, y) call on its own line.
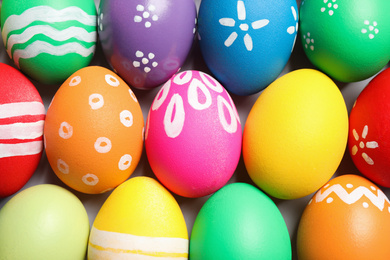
point(139, 220)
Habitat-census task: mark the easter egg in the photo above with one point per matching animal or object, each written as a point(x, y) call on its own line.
point(246, 44)
point(49, 39)
point(239, 222)
point(146, 41)
point(369, 138)
point(296, 134)
point(349, 40)
point(193, 135)
point(44, 222)
point(22, 115)
point(139, 220)
point(94, 131)
point(348, 218)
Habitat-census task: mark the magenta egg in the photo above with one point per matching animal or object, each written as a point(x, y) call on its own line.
point(146, 41)
point(193, 135)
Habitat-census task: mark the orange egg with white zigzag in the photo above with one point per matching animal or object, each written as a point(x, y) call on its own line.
point(93, 131)
point(348, 218)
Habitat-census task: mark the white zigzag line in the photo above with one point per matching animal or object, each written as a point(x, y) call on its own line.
point(355, 195)
point(57, 35)
point(39, 47)
point(46, 14)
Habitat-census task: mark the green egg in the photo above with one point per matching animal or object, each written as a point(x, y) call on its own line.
point(49, 39)
point(239, 222)
point(347, 39)
point(44, 222)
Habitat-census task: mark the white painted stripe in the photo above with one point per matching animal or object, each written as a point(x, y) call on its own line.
point(46, 14)
point(32, 108)
point(22, 130)
point(58, 35)
point(20, 149)
point(97, 254)
point(129, 242)
point(38, 47)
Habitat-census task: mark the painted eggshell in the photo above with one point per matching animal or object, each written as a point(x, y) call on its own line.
point(349, 40)
point(193, 135)
point(94, 131)
point(348, 218)
point(49, 39)
point(296, 134)
point(139, 220)
point(246, 44)
point(146, 41)
point(239, 222)
point(44, 222)
point(369, 137)
point(22, 115)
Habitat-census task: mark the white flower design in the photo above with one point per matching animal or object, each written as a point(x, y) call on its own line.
point(146, 15)
point(371, 29)
point(362, 145)
point(332, 6)
point(230, 22)
point(145, 61)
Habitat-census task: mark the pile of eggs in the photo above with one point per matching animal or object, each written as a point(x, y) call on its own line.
point(207, 129)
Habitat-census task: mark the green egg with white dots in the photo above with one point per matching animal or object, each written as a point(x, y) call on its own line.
point(347, 39)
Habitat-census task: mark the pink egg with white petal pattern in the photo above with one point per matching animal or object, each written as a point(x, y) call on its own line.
point(193, 135)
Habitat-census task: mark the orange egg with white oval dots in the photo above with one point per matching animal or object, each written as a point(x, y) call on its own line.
point(93, 131)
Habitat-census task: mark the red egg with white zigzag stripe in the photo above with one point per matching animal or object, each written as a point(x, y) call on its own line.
point(369, 135)
point(22, 116)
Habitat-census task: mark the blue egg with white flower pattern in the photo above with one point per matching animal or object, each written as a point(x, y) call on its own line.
point(247, 43)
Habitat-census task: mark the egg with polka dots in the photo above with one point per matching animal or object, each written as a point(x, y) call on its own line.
point(93, 131)
point(193, 135)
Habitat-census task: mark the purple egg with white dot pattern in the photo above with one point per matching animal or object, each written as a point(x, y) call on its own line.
point(193, 135)
point(146, 41)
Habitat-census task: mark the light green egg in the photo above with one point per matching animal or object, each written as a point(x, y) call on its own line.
point(347, 39)
point(43, 222)
point(240, 222)
point(49, 39)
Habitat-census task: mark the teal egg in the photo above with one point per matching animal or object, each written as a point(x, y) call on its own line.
point(239, 222)
point(49, 39)
point(44, 222)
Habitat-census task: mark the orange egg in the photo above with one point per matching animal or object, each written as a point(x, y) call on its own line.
point(94, 131)
point(348, 218)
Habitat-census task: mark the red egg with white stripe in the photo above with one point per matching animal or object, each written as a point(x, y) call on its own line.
point(369, 136)
point(193, 135)
point(22, 116)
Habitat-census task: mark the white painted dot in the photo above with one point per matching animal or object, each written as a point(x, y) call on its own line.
point(373, 188)
point(96, 101)
point(312, 48)
point(371, 36)
point(137, 19)
point(365, 204)
point(152, 8)
point(331, 12)
point(146, 14)
point(136, 64)
point(232, 127)
point(364, 30)
point(307, 40)
point(330, 5)
point(145, 61)
point(335, 6)
point(244, 27)
point(371, 27)
point(126, 118)
point(325, 1)
point(376, 31)
point(75, 81)
point(366, 22)
point(90, 179)
point(306, 46)
point(66, 130)
point(148, 24)
point(361, 144)
point(132, 95)
point(323, 9)
point(103, 145)
point(312, 40)
point(147, 69)
point(140, 8)
point(62, 166)
point(139, 54)
point(193, 96)
point(308, 34)
point(374, 23)
point(125, 162)
point(174, 116)
point(154, 64)
point(329, 200)
point(349, 186)
point(151, 55)
point(111, 80)
point(154, 17)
